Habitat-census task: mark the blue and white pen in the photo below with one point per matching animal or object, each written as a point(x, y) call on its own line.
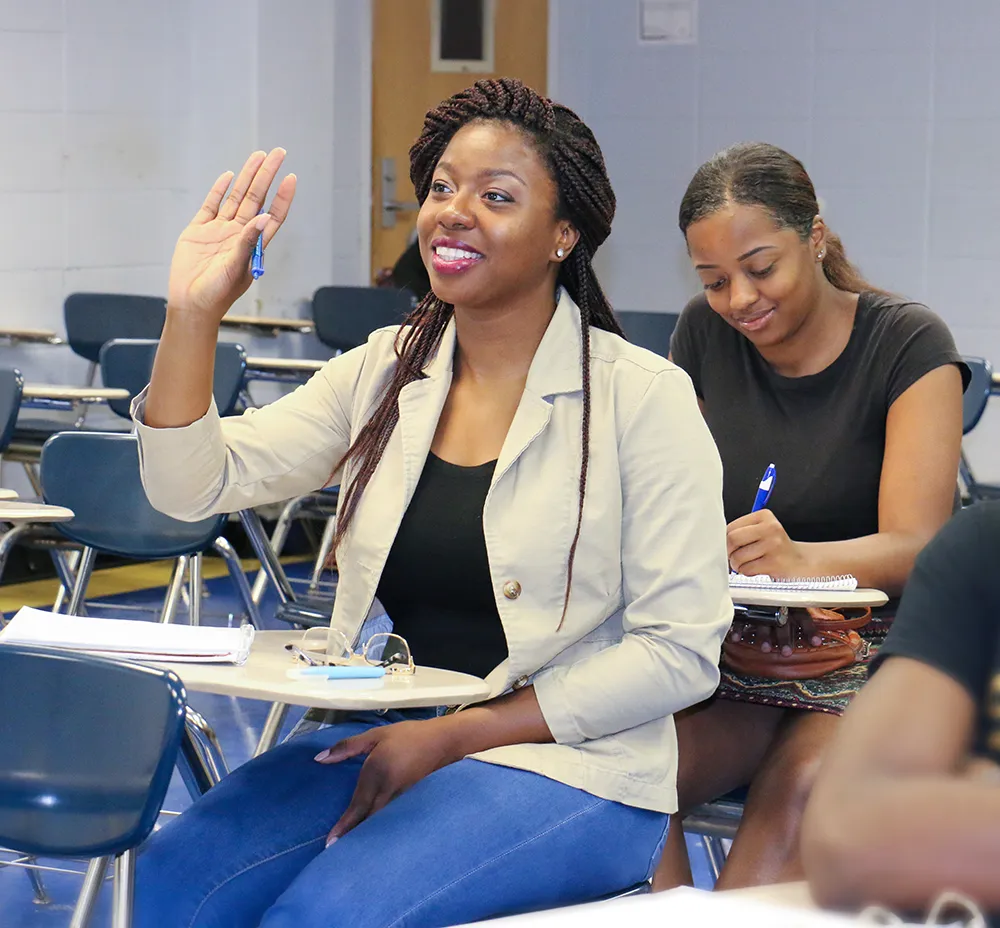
point(257, 262)
point(765, 489)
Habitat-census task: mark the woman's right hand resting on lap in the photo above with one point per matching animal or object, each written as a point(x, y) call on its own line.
point(210, 269)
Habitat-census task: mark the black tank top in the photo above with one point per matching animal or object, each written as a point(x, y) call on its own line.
point(436, 585)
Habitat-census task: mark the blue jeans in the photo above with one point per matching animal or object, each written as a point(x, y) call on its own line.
point(470, 841)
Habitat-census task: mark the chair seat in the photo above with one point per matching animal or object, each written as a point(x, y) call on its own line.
point(307, 611)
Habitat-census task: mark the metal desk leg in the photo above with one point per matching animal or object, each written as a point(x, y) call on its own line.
point(194, 589)
point(272, 726)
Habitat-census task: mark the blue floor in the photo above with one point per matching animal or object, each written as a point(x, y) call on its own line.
point(237, 722)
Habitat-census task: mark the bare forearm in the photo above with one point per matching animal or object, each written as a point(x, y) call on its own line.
point(514, 718)
point(180, 390)
point(903, 842)
point(882, 561)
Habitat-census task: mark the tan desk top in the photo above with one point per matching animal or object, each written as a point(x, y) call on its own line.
point(264, 676)
point(52, 391)
point(27, 511)
point(33, 336)
point(828, 599)
point(269, 323)
point(296, 365)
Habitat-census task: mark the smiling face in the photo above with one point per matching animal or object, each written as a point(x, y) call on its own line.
point(488, 230)
point(762, 279)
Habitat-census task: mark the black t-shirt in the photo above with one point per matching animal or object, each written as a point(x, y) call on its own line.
point(436, 585)
point(825, 433)
point(949, 616)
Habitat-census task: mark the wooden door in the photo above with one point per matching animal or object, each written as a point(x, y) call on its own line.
point(404, 88)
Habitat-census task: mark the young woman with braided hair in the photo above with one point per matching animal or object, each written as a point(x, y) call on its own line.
point(526, 495)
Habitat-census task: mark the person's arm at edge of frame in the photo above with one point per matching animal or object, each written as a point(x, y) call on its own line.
point(898, 812)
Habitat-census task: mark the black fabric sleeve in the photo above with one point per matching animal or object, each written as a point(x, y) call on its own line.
point(923, 343)
point(687, 344)
point(948, 615)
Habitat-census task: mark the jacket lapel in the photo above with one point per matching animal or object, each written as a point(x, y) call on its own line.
point(555, 369)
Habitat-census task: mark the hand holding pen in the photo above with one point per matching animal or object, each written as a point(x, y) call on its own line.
point(220, 253)
point(758, 543)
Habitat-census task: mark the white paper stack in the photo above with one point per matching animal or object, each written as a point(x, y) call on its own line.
point(129, 639)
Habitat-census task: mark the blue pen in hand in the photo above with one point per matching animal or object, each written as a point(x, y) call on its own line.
point(257, 261)
point(765, 488)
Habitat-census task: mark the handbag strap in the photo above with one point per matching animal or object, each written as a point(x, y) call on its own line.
point(835, 620)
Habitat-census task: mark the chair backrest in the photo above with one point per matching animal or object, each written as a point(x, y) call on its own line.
point(649, 330)
point(11, 386)
point(92, 319)
point(96, 474)
point(87, 752)
point(128, 363)
point(977, 393)
point(346, 316)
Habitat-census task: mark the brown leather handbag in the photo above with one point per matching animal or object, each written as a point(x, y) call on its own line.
point(840, 644)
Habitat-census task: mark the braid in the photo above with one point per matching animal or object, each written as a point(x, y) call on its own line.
point(585, 199)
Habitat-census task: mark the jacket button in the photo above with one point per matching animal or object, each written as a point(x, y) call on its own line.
point(512, 589)
point(520, 683)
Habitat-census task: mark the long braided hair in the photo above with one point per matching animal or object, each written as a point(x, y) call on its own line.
point(585, 199)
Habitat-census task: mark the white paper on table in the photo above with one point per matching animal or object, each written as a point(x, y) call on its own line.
point(128, 638)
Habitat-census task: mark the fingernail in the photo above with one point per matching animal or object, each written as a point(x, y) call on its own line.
point(323, 755)
point(262, 220)
point(331, 840)
point(786, 651)
point(816, 641)
point(766, 648)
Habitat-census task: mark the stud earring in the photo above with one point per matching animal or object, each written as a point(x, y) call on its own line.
point(821, 255)
point(559, 252)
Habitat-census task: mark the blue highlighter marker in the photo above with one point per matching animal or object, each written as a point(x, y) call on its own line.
point(257, 262)
point(339, 672)
point(765, 489)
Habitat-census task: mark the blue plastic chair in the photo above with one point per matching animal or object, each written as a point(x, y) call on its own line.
point(649, 330)
point(11, 386)
point(977, 395)
point(92, 319)
point(88, 749)
point(96, 474)
point(346, 316)
point(128, 363)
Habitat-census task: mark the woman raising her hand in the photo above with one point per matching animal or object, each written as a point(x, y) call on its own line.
point(529, 497)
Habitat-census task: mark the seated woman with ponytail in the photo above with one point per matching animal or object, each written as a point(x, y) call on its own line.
point(529, 497)
point(856, 396)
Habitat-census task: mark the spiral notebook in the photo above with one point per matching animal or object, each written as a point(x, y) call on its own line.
point(801, 584)
point(129, 639)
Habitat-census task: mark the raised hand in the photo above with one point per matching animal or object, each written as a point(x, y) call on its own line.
point(211, 263)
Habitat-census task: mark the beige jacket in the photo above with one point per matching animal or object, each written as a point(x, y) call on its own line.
point(650, 599)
